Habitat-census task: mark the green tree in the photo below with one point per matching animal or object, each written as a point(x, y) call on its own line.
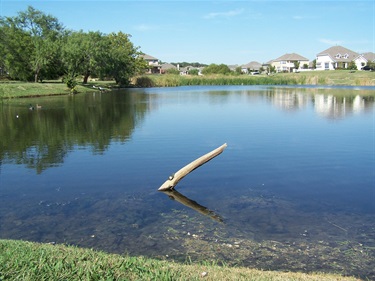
point(352, 66)
point(122, 58)
point(271, 69)
point(194, 71)
point(15, 50)
point(238, 70)
point(296, 64)
point(45, 32)
point(82, 54)
point(216, 69)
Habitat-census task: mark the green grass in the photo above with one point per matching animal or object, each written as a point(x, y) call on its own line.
point(20, 260)
point(14, 89)
point(11, 89)
point(339, 77)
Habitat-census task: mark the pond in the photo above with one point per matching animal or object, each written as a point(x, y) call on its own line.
point(294, 189)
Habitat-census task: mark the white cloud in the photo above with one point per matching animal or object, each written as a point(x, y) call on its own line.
point(330, 42)
point(298, 17)
point(145, 27)
point(224, 14)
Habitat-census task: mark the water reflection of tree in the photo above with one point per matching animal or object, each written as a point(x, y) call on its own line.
point(42, 138)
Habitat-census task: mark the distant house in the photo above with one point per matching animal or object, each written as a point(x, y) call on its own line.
point(185, 70)
point(167, 66)
point(251, 66)
point(363, 59)
point(334, 58)
point(232, 67)
point(286, 63)
point(153, 64)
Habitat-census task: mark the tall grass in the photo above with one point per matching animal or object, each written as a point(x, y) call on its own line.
point(176, 80)
point(305, 78)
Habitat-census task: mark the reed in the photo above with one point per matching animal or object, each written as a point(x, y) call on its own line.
point(359, 78)
point(214, 80)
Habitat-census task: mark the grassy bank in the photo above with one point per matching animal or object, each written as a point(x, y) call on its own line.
point(13, 89)
point(344, 78)
point(10, 89)
point(21, 260)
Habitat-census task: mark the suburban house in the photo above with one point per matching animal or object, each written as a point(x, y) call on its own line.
point(286, 63)
point(153, 64)
point(363, 59)
point(167, 66)
point(251, 66)
point(187, 69)
point(334, 58)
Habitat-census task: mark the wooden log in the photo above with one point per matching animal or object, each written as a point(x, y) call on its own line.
point(175, 195)
point(173, 179)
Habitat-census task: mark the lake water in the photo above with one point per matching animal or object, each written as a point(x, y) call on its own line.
point(294, 190)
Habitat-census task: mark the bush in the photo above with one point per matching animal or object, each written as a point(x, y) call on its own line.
point(144, 82)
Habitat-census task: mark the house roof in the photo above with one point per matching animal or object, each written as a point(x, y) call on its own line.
point(291, 57)
point(337, 53)
point(148, 57)
point(166, 66)
point(252, 65)
point(368, 56)
point(268, 63)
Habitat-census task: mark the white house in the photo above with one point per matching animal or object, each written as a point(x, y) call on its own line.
point(253, 65)
point(363, 59)
point(334, 57)
point(286, 63)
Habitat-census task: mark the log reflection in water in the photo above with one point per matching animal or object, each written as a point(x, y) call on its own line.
point(175, 195)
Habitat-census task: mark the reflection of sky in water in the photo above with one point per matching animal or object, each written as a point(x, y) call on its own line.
point(285, 159)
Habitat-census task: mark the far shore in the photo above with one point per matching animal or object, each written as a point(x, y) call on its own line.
point(17, 89)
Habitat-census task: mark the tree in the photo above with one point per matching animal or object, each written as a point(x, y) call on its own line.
point(216, 69)
point(34, 45)
point(238, 70)
point(297, 64)
point(352, 66)
point(271, 69)
point(44, 31)
point(194, 71)
point(30, 42)
point(314, 64)
point(15, 50)
point(122, 59)
point(82, 54)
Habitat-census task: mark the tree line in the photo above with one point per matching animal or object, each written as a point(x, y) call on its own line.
point(35, 46)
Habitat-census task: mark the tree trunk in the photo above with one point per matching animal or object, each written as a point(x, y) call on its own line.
point(86, 78)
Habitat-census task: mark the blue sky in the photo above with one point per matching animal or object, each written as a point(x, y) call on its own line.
point(221, 31)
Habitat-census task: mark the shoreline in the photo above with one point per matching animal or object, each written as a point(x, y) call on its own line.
point(362, 79)
point(31, 261)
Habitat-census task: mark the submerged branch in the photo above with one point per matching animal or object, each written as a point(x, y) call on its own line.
point(176, 177)
point(175, 195)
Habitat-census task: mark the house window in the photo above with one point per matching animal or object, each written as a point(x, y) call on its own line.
point(338, 56)
point(346, 56)
point(326, 65)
